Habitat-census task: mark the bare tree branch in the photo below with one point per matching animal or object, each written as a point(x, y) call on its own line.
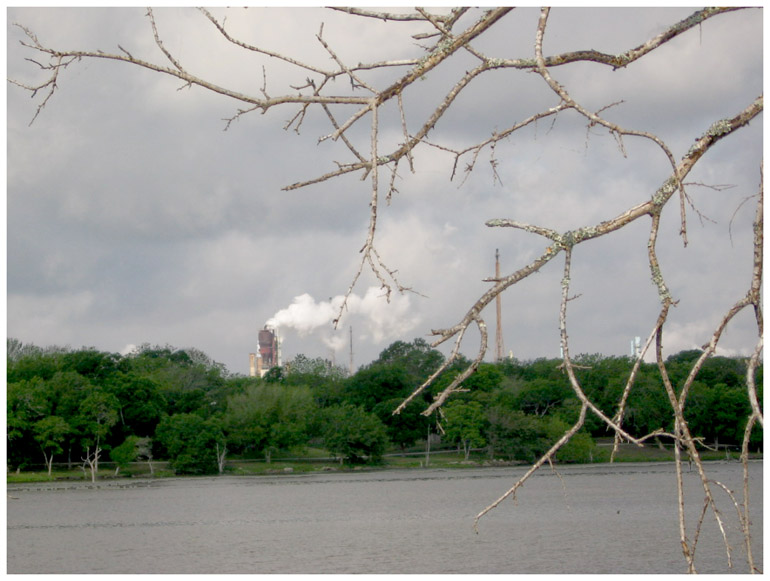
point(359, 98)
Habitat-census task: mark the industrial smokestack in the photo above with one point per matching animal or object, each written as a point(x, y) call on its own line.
point(278, 341)
point(269, 354)
point(252, 364)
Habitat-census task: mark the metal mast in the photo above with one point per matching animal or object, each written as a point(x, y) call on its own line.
point(498, 300)
point(351, 349)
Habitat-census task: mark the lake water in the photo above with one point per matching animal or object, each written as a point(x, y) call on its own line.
point(594, 519)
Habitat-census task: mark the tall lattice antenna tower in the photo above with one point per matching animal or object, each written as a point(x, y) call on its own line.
point(351, 349)
point(499, 338)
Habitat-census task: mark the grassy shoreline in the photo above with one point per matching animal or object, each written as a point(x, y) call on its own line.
point(316, 462)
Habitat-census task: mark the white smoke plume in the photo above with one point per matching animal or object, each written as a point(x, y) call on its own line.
point(382, 320)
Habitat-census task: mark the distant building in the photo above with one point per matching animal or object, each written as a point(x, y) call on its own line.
point(268, 353)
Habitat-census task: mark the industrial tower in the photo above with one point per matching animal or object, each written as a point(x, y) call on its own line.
point(499, 304)
point(268, 354)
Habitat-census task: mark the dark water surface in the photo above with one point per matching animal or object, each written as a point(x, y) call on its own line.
point(592, 519)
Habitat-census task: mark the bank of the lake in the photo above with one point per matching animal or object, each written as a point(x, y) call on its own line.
point(315, 461)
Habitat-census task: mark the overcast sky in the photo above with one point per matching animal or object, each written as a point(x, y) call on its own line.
point(133, 217)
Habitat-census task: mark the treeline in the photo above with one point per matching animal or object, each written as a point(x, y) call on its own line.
point(83, 406)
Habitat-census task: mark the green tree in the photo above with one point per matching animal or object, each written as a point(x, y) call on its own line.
point(269, 417)
point(66, 391)
point(29, 401)
point(274, 375)
point(579, 448)
point(194, 445)
point(598, 376)
point(354, 435)
point(126, 453)
point(485, 379)
point(132, 449)
point(537, 368)
point(50, 432)
point(24, 407)
point(325, 379)
point(90, 363)
point(679, 365)
point(187, 379)
point(30, 363)
point(730, 371)
point(417, 359)
point(717, 413)
point(377, 383)
point(542, 396)
point(514, 435)
point(141, 404)
point(303, 371)
point(15, 349)
point(98, 412)
point(647, 408)
point(327, 392)
point(235, 384)
point(405, 428)
point(464, 424)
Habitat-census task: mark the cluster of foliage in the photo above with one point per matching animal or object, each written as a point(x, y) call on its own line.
point(179, 405)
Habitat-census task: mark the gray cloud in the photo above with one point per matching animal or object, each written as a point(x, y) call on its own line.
point(133, 217)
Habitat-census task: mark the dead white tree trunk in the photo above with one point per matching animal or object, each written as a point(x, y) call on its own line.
point(92, 459)
point(221, 451)
point(48, 462)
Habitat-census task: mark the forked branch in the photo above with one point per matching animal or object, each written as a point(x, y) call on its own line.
point(450, 36)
